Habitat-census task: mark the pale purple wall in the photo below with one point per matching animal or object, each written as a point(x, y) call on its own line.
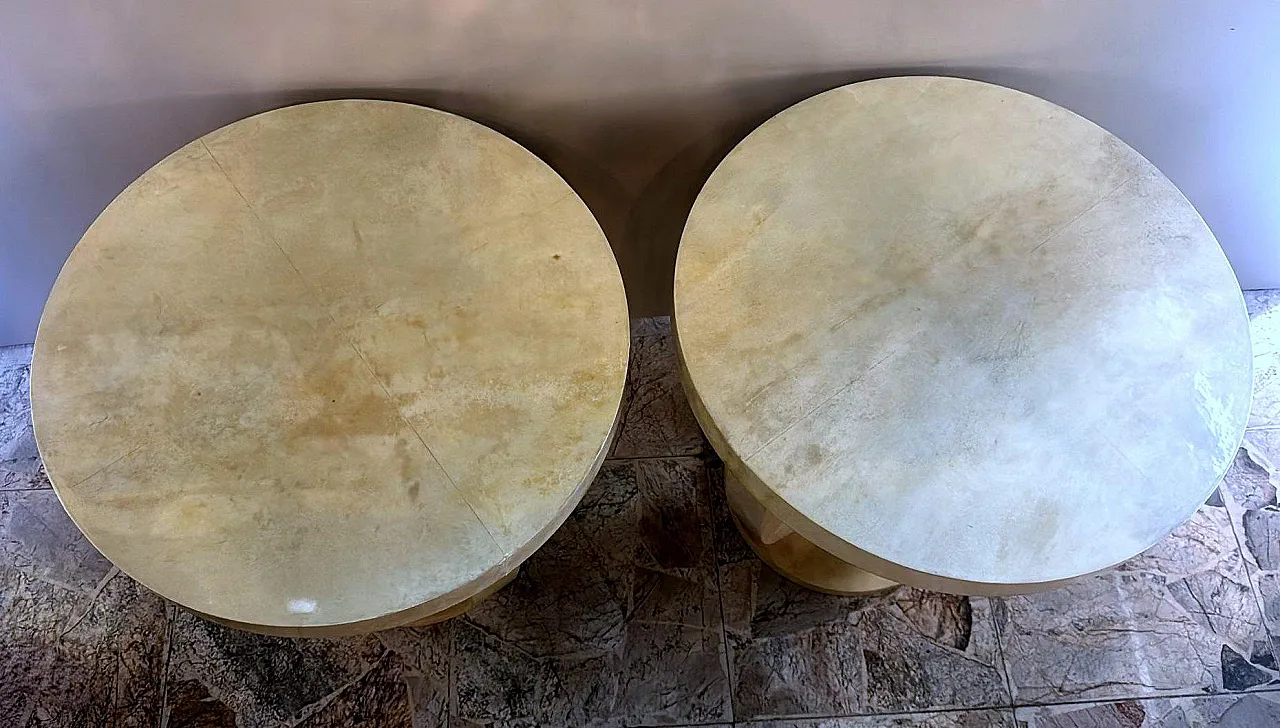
point(633, 102)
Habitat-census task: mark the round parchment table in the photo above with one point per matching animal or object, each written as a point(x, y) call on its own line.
point(333, 368)
point(951, 335)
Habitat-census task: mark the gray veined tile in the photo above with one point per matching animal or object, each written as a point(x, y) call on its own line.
point(500, 684)
point(379, 698)
point(656, 418)
point(615, 621)
point(796, 653)
point(267, 681)
point(800, 653)
point(1251, 710)
point(15, 357)
point(83, 644)
point(424, 654)
point(1180, 618)
point(383, 693)
point(382, 696)
point(1264, 330)
point(944, 719)
point(39, 541)
point(20, 466)
point(1249, 495)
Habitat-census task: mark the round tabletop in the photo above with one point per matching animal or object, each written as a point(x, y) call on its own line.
point(959, 336)
point(336, 366)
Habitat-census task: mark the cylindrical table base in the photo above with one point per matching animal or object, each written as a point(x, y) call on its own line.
point(791, 554)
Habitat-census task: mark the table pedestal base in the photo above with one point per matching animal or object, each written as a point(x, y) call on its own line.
point(465, 605)
point(791, 554)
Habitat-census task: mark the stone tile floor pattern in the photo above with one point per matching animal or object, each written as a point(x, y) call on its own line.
point(647, 608)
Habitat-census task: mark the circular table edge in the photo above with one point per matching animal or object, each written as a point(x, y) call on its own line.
point(487, 579)
point(836, 545)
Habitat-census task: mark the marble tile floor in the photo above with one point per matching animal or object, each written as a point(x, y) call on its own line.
point(647, 608)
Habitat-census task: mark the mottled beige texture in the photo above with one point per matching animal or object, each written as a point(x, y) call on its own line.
point(336, 366)
point(959, 336)
point(790, 553)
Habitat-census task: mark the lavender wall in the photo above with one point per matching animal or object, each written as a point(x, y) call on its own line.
point(633, 102)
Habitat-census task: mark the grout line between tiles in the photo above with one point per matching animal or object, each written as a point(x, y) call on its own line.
point(307, 713)
point(715, 557)
point(710, 724)
point(170, 624)
point(693, 456)
point(1161, 696)
point(1004, 660)
point(451, 678)
point(1244, 560)
point(895, 714)
point(1015, 706)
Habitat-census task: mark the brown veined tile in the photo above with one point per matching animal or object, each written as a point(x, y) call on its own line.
point(380, 698)
point(656, 418)
point(84, 644)
point(263, 681)
point(423, 654)
point(651, 326)
point(387, 695)
point(191, 706)
point(794, 652)
point(615, 621)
